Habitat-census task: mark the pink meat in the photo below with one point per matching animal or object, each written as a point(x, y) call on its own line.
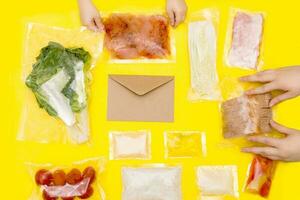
point(130, 36)
point(246, 39)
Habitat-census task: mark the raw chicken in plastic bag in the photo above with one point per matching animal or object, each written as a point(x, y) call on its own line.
point(202, 41)
point(56, 69)
point(130, 145)
point(78, 180)
point(139, 38)
point(244, 39)
point(184, 144)
point(260, 175)
point(217, 180)
point(147, 183)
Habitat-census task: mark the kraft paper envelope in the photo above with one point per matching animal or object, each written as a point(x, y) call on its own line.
point(140, 98)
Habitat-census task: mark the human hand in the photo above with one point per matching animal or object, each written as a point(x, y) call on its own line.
point(176, 10)
point(90, 16)
point(286, 79)
point(285, 149)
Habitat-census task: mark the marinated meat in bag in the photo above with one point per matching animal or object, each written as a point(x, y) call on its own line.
point(133, 36)
point(246, 39)
point(260, 175)
point(246, 115)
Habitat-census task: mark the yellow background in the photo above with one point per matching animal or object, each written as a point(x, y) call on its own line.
point(281, 48)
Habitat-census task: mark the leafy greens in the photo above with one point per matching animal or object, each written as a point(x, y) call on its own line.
point(58, 80)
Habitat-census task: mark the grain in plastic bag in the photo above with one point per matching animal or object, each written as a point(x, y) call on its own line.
point(56, 71)
point(184, 144)
point(80, 180)
point(202, 43)
point(130, 145)
point(243, 115)
point(260, 175)
point(217, 181)
point(156, 182)
point(139, 38)
point(243, 46)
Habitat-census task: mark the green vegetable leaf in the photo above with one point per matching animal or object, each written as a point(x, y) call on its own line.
point(75, 63)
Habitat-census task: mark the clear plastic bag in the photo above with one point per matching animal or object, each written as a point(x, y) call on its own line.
point(156, 182)
point(246, 115)
point(130, 145)
point(217, 181)
point(138, 38)
point(260, 175)
point(79, 179)
point(243, 45)
point(202, 40)
point(243, 115)
point(36, 124)
point(182, 144)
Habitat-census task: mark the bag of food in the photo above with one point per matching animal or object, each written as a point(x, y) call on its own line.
point(158, 182)
point(77, 180)
point(260, 175)
point(57, 64)
point(182, 144)
point(130, 145)
point(202, 42)
point(217, 181)
point(243, 46)
point(139, 38)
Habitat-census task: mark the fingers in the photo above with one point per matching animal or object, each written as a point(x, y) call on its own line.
point(264, 76)
point(263, 89)
point(280, 98)
point(98, 23)
point(273, 142)
point(282, 129)
point(171, 15)
point(264, 151)
point(179, 17)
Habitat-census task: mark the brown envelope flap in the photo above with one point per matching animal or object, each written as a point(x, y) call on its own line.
point(139, 84)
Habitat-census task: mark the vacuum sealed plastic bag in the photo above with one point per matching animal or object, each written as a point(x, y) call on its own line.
point(139, 38)
point(244, 38)
point(217, 180)
point(162, 183)
point(78, 180)
point(246, 115)
point(185, 144)
point(130, 145)
point(56, 69)
point(202, 40)
point(260, 174)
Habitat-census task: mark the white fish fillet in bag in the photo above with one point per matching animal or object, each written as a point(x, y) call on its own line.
point(155, 183)
point(202, 50)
